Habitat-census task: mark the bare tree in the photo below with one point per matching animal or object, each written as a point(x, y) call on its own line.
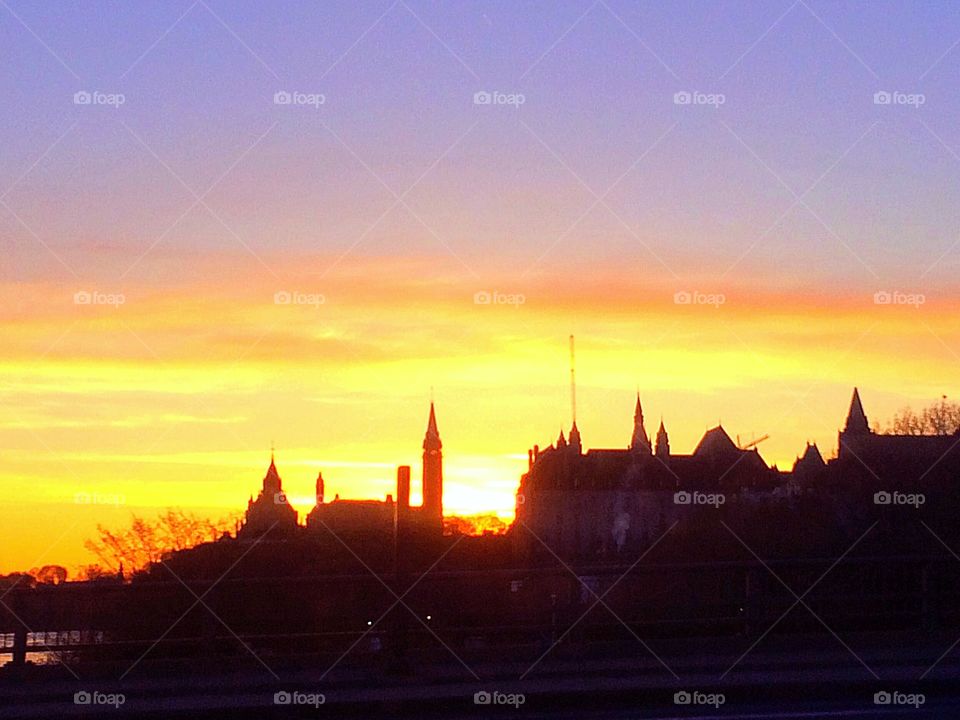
point(94, 572)
point(146, 541)
point(938, 418)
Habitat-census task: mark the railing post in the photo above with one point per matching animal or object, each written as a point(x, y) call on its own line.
point(20, 630)
point(751, 600)
point(928, 608)
point(210, 624)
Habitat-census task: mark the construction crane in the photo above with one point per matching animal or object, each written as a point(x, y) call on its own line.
point(752, 443)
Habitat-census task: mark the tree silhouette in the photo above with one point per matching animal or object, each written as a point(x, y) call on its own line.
point(147, 541)
point(938, 418)
point(50, 574)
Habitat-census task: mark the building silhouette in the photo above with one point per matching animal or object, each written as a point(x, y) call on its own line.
point(900, 458)
point(432, 510)
point(606, 501)
point(600, 503)
point(271, 512)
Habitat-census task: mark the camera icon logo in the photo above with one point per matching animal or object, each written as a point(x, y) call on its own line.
point(82, 97)
point(482, 97)
point(682, 98)
point(882, 297)
point(682, 297)
point(682, 697)
point(82, 297)
point(82, 698)
point(282, 297)
point(882, 698)
point(482, 698)
point(682, 498)
point(882, 498)
point(282, 698)
point(882, 97)
point(282, 97)
point(482, 298)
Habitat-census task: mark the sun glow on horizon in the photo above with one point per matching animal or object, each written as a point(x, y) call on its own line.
point(173, 409)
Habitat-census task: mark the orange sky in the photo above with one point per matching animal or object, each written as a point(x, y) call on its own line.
point(174, 397)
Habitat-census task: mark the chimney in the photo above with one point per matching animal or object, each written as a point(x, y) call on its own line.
point(403, 488)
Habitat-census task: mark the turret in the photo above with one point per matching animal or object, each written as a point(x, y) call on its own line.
point(319, 488)
point(663, 442)
point(575, 438)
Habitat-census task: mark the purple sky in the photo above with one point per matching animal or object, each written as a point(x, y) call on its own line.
point(505, 189)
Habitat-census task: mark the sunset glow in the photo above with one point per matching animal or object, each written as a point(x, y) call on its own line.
point(204, 271)
point(154, 406)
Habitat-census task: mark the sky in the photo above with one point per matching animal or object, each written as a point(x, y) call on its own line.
point(226, 225)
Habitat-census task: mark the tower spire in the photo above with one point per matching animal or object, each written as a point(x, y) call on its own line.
point(431, 441)
point(432, 509)
point(856, 417)
point(663, 442)
point(639, 441)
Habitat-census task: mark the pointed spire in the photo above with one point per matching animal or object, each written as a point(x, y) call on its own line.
point(663, 442)
point(856, 417)
point(271, 481)
point(639, 441)
point(431, 440)
point(561, 441)
point(811, 460)
point(575, 437)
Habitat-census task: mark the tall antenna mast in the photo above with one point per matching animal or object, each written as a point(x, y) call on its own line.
point(573, 383)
